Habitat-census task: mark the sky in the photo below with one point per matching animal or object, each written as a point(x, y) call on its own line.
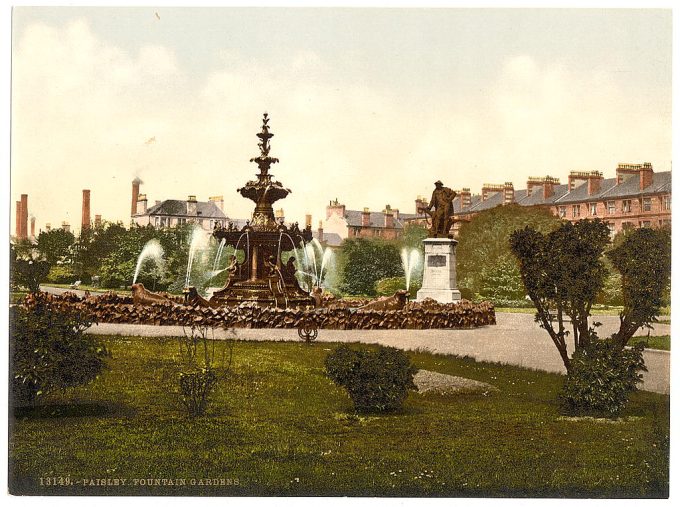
point(369, 106)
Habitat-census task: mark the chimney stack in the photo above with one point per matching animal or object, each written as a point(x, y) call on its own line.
point(24, 216)
point(547, 184)
point(335, 208)
point(135, 195)
point(420, 203)
point(141, 204)
point(279, 215)
point(488, 190)
point(508, 193)
point(32, 227)
point(85, 223)
point(389, 217)
point(320, 232)
point(18, 220)
point(646, 175)
point(218, 200)
point(97, 221)
point(593, 179)
point(308, 221)
point(366, 218)
point(66, 226)
point(465, 198)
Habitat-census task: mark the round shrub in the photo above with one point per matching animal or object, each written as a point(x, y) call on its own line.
point(49, 351)
point(601, 378)
point(376, 381)
point(61, 274)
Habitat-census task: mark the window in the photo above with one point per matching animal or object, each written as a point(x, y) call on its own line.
point(593, 208)
point(157, 221)
point(666, 202)
point(612, 229)
point(611, 207)
point(626, 206)
point(647, 204)
point(645, 224)
point(576, 210)
point(626, 225)
point(563, 211)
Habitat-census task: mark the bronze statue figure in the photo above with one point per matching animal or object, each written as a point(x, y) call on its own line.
point(440, 209)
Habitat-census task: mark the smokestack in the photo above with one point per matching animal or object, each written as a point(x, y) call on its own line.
point(33, 227)
point(135, 195)
point(24, 216)
point(85, 222)
point(18, 220)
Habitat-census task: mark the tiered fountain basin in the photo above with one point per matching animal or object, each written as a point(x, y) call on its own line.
point(383, 313)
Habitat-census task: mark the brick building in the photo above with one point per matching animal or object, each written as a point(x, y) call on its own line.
point(345, 223)
point(636, 197)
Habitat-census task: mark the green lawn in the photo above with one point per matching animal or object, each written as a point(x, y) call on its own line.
point(653, 342)
point(278, 426)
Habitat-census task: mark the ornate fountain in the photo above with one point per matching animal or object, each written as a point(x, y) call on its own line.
point(262, 277)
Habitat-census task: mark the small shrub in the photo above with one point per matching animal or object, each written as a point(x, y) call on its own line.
point(49, 351)
point(61, 274)
point(197, 358)
point(601, 378)
point(375, 381)
point(196, 387)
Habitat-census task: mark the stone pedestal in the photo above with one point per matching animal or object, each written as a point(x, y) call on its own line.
point(439, 273)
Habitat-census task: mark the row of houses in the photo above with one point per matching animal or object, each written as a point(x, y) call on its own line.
point(635, 197)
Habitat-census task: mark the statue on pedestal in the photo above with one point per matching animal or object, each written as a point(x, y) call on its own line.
point(440, 209)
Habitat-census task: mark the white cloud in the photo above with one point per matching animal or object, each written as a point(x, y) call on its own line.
point(84, 109)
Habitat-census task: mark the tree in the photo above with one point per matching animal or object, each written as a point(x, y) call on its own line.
point(28, 268)
point(563, 272)
point(56, 245)
point(365, 261)
point(644, 261)
point(483, 243)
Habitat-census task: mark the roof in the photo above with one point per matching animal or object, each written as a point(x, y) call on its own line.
point(330, 238)
point(536, 198)
point(377, 219)
point(177, 208)
point(580, 193)
point(661, 182)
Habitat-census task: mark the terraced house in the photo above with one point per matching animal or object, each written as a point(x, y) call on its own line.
point(636, 197)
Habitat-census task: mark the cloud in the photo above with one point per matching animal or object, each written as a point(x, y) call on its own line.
point(85, 110)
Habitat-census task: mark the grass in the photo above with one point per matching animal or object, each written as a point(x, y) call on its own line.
point(653, 342)
point(278, 426)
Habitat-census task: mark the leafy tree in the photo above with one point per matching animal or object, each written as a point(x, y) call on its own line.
point(483, 243)
point(28, 268)
point(413, 236)
point(56, 245)
point(365, 261)
point(644, 261)
point(502, 283)
point(563, 272)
